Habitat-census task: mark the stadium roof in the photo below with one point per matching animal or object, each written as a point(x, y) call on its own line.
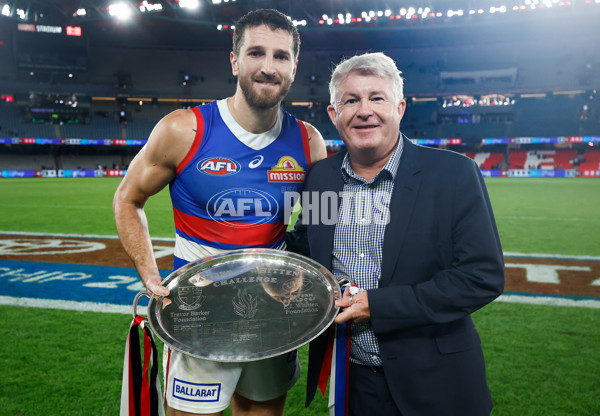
point(324, 24)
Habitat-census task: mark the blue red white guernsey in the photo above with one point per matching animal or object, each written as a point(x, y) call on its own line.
point(230, 189)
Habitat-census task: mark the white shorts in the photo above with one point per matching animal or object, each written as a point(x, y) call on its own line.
point(201, 386)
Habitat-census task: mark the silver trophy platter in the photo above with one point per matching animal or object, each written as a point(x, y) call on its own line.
point(244, 305)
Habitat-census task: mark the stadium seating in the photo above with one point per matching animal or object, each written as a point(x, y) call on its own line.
point(29, 161)
point(487, 160)
point(90, 162)
point(97, 128)
point(542, 159)
point(590, 163)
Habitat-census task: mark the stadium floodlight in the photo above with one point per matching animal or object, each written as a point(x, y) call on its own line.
point(150, 7)
point(6, 10)
point(21, 14)
point(189, 4)
point(80, 12)
point(120, 11)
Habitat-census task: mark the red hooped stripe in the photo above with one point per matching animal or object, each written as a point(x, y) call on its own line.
point(218, 232)
point(197, 140)
point(305, 142)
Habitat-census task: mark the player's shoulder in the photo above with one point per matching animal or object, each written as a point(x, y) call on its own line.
point(174, 134)
point(178, 120)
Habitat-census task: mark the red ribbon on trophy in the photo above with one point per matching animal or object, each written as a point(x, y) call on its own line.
point(336, 367)
point(140, 392)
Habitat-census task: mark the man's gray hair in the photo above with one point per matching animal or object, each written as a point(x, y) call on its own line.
point(375, 63)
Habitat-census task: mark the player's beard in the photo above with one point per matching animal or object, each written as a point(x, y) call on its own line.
point(264, 100)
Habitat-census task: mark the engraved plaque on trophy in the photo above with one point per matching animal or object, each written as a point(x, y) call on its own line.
point(244, 305)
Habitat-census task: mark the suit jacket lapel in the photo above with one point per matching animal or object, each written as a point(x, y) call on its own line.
point(404, 196)
point(323, 234)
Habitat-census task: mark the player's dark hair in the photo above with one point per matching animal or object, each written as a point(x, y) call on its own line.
point(273, 19)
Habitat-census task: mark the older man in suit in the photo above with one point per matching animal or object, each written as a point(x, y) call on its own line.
point(414, 229)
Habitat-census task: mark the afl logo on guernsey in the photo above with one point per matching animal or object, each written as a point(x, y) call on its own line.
point(219, 166)
point(242, 207)
point(287, 170)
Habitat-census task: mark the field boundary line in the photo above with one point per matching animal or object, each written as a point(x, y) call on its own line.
point(549, 300)
point(114, 237)
point(126, 309)
point(516, 217)
point(90, 236)
point(71, 305)
point(552, 256)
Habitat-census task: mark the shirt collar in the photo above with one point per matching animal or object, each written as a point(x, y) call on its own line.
point(390, 168)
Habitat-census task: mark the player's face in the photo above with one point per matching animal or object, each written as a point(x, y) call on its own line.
point(265, 67)
point(367, 117)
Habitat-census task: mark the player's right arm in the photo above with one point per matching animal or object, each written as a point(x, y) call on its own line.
point(149, 172)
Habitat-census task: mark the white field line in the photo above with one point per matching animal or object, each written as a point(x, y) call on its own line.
point(95, 236)
point(71, 305)
point(569, 219)
point(114, 237)
point(89, 207)
point(110, 308)
point(124, 309)
point(552, 256)
point(549, 300)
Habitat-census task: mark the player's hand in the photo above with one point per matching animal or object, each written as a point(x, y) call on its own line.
point(355, 308)
point(153, 285)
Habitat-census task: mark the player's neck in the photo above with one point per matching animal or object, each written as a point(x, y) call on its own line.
point(254, 120)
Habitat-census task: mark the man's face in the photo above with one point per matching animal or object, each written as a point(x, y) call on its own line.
point(265, 67)
point(367, 118)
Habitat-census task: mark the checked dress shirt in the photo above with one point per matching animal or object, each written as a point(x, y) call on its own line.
point(358, 241)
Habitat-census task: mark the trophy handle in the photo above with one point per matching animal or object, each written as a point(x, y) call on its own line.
point(345, 280)
point(137, 298)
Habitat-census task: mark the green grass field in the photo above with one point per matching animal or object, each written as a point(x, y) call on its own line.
point(541, 360)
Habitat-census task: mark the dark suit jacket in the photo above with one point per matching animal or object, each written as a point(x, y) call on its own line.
point(442, 260)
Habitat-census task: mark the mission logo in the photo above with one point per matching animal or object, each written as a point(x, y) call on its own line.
point(287, 170)
point(219, 166)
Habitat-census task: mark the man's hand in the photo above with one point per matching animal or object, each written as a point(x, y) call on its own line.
point(154, 287)
point(354, 308)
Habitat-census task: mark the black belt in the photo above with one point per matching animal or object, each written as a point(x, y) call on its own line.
point(373, 368)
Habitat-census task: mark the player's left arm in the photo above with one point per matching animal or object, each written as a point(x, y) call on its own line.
point(318, 150)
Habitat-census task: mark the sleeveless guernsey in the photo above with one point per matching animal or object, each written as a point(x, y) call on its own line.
point(234, 188)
